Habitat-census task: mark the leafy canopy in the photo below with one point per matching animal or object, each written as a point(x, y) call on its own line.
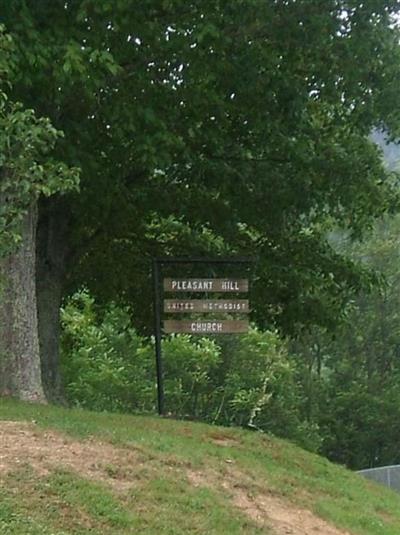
point(26, 167)
point(247, 119)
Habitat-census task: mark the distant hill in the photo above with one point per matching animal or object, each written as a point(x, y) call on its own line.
point(75, 472)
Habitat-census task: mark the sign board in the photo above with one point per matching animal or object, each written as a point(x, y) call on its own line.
point(198, 310)
point(174, 306)
point(206, 326)
point(206, 285)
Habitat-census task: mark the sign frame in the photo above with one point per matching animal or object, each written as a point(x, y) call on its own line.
point(157, 264)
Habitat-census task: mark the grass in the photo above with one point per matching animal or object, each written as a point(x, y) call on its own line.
point(162, 499)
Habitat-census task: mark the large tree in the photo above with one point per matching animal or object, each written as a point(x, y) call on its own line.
point(233, 126)
point(26, 172)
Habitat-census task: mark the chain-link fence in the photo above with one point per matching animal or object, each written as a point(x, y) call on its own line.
point(386, 475)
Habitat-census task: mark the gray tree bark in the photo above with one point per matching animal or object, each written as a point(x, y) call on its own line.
point(50, 277)
point(20, 374)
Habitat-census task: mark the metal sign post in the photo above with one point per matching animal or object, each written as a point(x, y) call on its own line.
point(197, 326)
point(158, 335)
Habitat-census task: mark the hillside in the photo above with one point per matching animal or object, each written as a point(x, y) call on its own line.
point(70, 471)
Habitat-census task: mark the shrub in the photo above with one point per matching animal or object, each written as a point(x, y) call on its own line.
point(106, 365)
point(245, 380)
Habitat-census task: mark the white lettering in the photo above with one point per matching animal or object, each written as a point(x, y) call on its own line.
point(206, 327)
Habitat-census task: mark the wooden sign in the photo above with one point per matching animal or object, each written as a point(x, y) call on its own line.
point(206, 305)
point(206, 327)
point(206, 285)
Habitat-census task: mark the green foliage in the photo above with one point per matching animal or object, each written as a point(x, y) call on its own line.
point(157, 113)
point(106, 365)
point(360, 420)
point(262, 391)
point(180, 153)
point(248, 381)
point(190, 366)
point(351, 381)
point(27, 169)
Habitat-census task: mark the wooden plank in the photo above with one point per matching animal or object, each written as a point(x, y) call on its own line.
point(206, 327)
point(206, 285)
point(176, 306)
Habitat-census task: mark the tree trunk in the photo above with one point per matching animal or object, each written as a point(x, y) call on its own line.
point(51, 256)
point(20, 374)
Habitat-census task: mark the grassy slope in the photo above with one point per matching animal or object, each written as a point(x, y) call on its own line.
point(163, 500)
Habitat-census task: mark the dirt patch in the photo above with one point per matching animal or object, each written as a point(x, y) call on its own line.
point(23, 443)
point(282, 516)
point(224, 442)
point(45, 451)
point(220, 439)
point(266, 509)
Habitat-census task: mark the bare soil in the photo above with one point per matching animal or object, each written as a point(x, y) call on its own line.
point(265, 508)
point(45, 451)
